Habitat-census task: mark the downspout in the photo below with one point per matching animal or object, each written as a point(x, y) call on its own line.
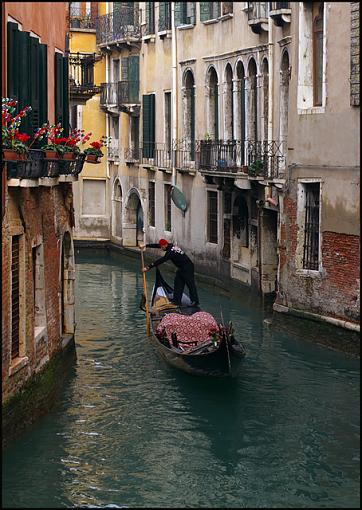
point(107, 117)
point(174, 92)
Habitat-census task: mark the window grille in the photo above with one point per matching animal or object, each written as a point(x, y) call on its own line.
point(15, 297)
point(212, 217)
point(311, 227)
point(151, 203)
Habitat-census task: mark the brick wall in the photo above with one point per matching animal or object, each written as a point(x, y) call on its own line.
point(45, 213)
point(355, 72)
point(335, 292)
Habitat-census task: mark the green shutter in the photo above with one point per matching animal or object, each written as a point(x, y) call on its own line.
point(65, 70)
point(192, 19)
point(150, 17)
point(24, 67)
point(177, 8)
point(58, 92)
point(133, 75)
point(205, 8)
point(161, 16)
point(43, 83)
point(124, 68)
point(148, 117)
point(12, 61)
point(34, 82)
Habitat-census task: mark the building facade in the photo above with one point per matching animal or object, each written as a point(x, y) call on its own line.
point(235, 104)
point(38, 267)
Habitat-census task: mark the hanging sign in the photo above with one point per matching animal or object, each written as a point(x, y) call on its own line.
point(178, 199)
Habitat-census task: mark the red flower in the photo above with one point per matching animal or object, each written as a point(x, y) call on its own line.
point(96, 145)
point(22, 137)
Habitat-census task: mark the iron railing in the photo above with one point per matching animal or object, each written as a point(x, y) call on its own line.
point(255, 158)
point(79, 18)
point(119, 93)
point(81, 74)
point(113, 150)
point(36, 166)
point(118, 26)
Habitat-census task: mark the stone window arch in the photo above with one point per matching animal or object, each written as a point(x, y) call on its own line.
point(212, 104)
point(252, 101)
point(189, 122)
point(228, 104)
point(117, 209)
point(67, 277)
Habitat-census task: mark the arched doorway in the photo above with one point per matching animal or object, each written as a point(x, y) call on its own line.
point(67, 277)
point(229, 104)
point(133, 227)
point(252, 102)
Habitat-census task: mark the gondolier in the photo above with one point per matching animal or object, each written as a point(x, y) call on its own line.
point(185, 270)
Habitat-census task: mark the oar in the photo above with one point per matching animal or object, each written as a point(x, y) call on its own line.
point(148, 327)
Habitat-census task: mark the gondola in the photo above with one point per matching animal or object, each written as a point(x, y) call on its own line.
point(218, 355)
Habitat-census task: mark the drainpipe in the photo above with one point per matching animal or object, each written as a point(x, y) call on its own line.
point(107, 116)
point(174, 91)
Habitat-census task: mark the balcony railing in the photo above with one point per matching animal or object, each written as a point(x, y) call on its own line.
point(81, 75)
point(117, 94)
point(258, 13)
point(119, 26)
point(254, 158)
point(79, 18)
point(37, 167)
point(113, 150)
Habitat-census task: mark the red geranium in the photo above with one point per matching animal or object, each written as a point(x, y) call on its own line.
point(96, 145)
point(22, 137)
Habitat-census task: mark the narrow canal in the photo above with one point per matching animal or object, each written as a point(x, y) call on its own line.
point(129, 432)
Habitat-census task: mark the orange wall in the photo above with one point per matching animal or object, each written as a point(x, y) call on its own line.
point(48, 21)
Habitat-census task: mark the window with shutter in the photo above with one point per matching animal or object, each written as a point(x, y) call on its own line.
point(24, 74)
point(148, 116)
point(34, 83)
point(43, 83)
point(133, 77)
point(150, 17)
point(205, 11)
point(12, 61)
point(65, 96)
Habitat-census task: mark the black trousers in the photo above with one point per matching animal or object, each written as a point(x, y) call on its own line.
point(185, 276)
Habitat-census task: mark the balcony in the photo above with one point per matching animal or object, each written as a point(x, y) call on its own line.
point(256, 159)
point(280, 13)
point(81, 77)
point(258, 13)
point(120, 27)
point(120, 96)
point(132, 155)
point(80, 19)
point(37, 170)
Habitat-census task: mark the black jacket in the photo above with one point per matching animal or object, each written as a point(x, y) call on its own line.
point(173, 253)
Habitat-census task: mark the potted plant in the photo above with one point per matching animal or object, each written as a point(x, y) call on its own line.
point(53, 149)
point(13, 142)
point(256, 168)
point(72, 144)
point(93, 153)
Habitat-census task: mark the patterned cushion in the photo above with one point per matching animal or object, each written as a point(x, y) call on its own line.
point(190, 329)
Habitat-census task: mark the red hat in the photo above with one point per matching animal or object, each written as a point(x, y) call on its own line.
point(163, 242)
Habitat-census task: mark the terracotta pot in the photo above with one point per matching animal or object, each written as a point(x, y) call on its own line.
point(70, 156)
point(49, 154)
point(92, 158)
point(12, 155)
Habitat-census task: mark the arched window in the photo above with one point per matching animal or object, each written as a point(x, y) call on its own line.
point(253, 102)
point(228, 102)
point(283, 106)
point(189, 113)
point(318, 29)
point(213, 97)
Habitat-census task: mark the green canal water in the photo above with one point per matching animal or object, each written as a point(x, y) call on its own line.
point(130, 432)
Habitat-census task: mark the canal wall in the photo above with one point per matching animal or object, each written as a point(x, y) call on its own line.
point(39, 394)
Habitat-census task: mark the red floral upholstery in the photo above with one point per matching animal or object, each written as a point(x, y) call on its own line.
point(190, 329)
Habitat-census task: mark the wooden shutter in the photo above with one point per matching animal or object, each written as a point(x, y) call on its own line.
point(148, 117)
point(58, 77)
point(161, 16)
point(34, 82)
point(43, 83)
point(205, 8)
point(178, 18)
point(133, 74)
point(124, 69)
point(65, 96)
point(191, 12)
point(13, 60)
point(150, 17)
point(24, 77)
